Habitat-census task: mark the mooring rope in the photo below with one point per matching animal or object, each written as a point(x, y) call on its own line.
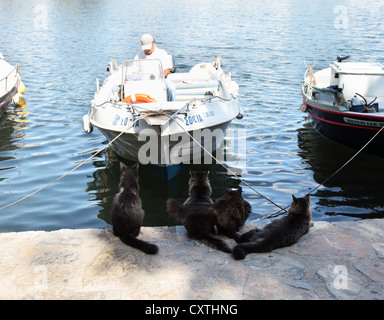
point(224, 166)
point(345, 164)
point(78, 166)
point(276, 214)
point(281, 211)
point(114, 139)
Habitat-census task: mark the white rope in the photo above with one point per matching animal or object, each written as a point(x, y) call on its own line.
point(209, 153)
point(78, 166)
point(345, 164)
point(273, 215)
point(224, 166)
point(113, 140)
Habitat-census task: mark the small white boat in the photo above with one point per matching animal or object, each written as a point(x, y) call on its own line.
point(131, 109)
point(11, 86)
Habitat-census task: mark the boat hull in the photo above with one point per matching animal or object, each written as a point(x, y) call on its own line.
point(6, 99)
point(167, 150)
point(351, 129)
point(7, 96)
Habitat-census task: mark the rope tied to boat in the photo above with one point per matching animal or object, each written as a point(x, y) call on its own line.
point(276, 214)
point(161, 112)
point(345, 164)
point(223, 165)
point(75, 168)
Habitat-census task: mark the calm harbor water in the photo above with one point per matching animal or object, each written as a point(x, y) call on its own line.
point(62, 46)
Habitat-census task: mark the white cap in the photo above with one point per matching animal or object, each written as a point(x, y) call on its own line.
point(146, 41)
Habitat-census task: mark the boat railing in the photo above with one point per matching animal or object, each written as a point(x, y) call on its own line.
point(306, 75)
point(158, 117)
point(180, 110)
point(307, 84)
point(14, 70)
point(217, 97)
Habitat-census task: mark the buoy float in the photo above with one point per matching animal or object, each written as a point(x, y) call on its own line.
point(18, 97)
point(87, 125)
point(21, 89)
point(303, 107)
point(139, 97)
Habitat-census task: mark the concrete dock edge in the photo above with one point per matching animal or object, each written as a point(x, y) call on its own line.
point(334, 261)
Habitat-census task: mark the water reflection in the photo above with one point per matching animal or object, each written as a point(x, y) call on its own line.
point(261, 45)
point(355, 191)
point(12, 125)
point(154, 191)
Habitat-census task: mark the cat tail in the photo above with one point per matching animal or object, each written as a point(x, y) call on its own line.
point(240, 251)
point(216, 243)
point(174, 209)
point(144, 246)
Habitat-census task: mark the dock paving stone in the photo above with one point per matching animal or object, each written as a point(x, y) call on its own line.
point(94, 264)
point(374, 271)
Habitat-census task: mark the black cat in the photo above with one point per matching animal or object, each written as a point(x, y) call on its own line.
point(198, 213)
point(279, 233)
point(127, 213)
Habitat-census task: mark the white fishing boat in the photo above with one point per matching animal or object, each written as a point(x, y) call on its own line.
point(11, 86)
point(131, 109)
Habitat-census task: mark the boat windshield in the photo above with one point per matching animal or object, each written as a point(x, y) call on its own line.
point(148, 69)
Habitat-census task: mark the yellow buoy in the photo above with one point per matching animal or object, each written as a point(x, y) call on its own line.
point(21, 87)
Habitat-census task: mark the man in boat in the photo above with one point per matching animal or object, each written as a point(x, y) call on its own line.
point(151, 51)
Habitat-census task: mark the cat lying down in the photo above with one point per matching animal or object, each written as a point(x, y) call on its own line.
point(283, 232)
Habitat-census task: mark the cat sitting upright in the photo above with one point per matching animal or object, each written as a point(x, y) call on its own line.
point(279, 233)
point(127, 213)
point(231, 213)
point(197, 213)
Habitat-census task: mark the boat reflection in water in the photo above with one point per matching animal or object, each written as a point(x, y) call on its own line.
point(355, 191)
point(154, 191)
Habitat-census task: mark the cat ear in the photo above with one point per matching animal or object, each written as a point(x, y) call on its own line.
point(307, 197)
point(122, 166)
point(136, 166)
point(294, 199)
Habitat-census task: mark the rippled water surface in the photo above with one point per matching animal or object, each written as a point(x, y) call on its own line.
point(62, 46)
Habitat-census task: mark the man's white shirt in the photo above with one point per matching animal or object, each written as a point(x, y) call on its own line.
point(159, 54)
